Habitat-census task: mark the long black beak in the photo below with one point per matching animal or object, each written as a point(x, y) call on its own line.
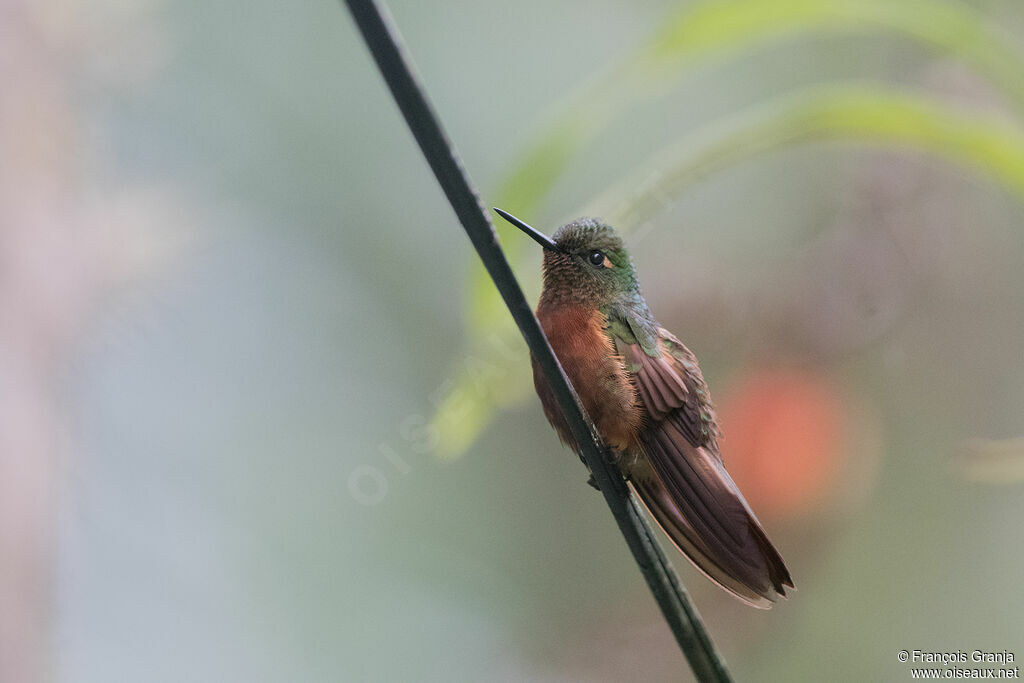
point(541, 239)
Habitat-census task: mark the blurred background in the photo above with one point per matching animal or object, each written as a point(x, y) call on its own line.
point(261, 419)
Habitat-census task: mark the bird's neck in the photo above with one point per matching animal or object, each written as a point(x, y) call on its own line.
point(626, 315)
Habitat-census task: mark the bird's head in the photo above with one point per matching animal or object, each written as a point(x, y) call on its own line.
point(585, 262)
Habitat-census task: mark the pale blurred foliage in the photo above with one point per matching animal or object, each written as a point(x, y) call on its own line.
point(70, 233)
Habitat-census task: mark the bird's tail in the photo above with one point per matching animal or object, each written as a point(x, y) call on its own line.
point(709, 521)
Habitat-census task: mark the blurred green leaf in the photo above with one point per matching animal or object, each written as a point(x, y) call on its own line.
point(723, 29)
point(943, 25)
point(861, 112)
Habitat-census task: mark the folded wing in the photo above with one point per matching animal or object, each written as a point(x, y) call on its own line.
point(681, 478)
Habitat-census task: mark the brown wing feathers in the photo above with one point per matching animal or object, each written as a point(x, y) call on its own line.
point(686, 539)
point(660, 388)
point(689, 491)
point(703, 495)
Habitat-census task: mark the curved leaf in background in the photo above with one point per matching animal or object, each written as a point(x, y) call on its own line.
point(943, 25)
point(861, 112)
point(715, 28)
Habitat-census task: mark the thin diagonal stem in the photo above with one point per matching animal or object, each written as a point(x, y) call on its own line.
point(383, 40)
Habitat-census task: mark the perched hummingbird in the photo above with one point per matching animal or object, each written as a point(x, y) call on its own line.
point(648, 399)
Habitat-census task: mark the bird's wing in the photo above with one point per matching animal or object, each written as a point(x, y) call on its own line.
point(672, 388)
point(683, 481)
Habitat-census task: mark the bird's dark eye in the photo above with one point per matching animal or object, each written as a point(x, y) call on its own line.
point(596, 257)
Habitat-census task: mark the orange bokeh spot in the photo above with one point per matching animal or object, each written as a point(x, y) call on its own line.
point(784, 439)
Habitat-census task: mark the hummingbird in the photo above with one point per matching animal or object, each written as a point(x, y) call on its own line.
point(648, 399)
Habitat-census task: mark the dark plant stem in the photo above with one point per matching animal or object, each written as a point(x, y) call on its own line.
point(383, 40)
